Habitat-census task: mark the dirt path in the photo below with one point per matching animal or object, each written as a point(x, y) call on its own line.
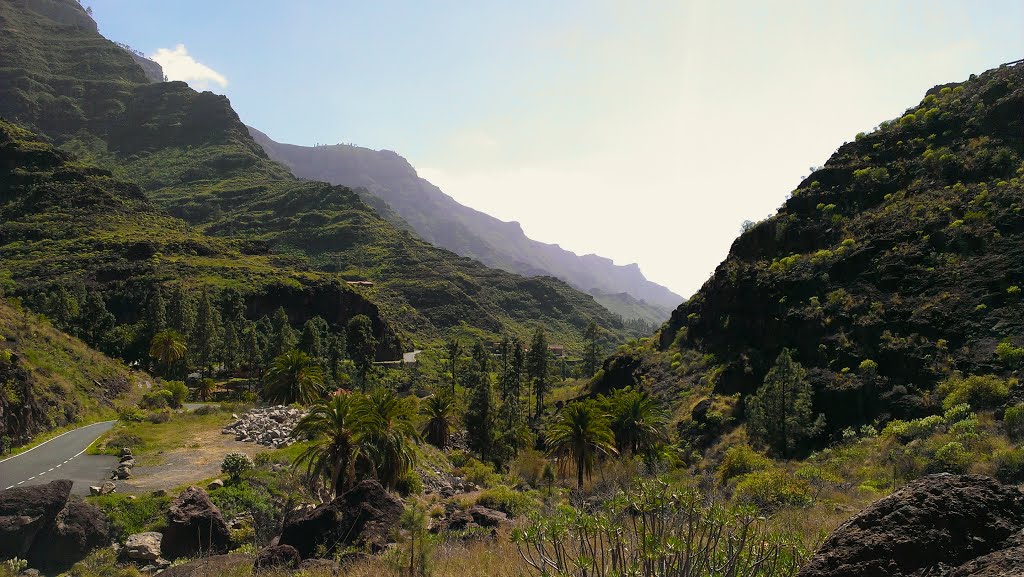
point(200, 459)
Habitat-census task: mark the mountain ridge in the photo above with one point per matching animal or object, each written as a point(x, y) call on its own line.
point(441, 220)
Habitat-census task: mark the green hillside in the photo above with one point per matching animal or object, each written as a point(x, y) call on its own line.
point(50, 379)
point(890, 268)
point(194, 159)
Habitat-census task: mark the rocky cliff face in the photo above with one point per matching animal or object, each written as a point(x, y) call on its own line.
point(64, 12)
point(153, 71)
point(439, 219)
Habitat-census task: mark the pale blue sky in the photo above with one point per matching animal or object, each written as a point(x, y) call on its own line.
point(642, 131)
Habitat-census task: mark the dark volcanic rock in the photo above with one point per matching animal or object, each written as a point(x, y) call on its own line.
point(365, 515)
point(929, 527)
point(25, 512)
point(278, 556)
point(487, 517)
point(77, 530)
point(194, 525)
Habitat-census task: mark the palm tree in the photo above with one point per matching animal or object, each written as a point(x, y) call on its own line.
point(205, 388)
point(387, 433)
point(333, 427)
point(439, 409)
point(294, 377)
point(167, 347)
point(637, 421)
point(580, 434)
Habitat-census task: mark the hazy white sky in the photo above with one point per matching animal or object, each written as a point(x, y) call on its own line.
point(642, 131)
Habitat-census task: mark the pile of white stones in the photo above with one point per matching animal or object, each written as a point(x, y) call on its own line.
point(269, 426)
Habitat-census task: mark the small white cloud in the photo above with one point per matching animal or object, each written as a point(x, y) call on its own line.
point(178, 64)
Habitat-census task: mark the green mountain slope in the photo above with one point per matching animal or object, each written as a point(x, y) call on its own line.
point(438, 218)
point(50, 379)
point(192, 156)
point(905, 249)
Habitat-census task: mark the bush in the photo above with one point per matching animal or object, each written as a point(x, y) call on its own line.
point(410, 484)
point(952, 457)
point(740, 460)
point(1010, 355)
point(978, 391)
point(917, 429)
point(480, 474)
point(157, 399)
point(529, 467)
point(207, 410)
point(1013, 421)
point(1009, 465)
point(179, 393)
point(158, 417)
point(772, 489)
point(507, 500)
point(235, 464)
point(130, 414)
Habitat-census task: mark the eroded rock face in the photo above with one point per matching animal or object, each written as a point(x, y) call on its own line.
point(194, 526)
point(77, 530)
point(364, 516)
point(963, 525)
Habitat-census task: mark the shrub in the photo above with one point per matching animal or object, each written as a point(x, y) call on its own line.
point(130, 414)
point(907, 431)
point(952, 457)
point(410, 484)
point(158, 417)
point(772, 489)
point(1009, 355)
point(507, 500)
point(957, 413)
point(235, 464)
point(1009, 465)
point(127, 516)
point(179, 393)
point(978, 391)
point(207, 410)
point(160, 399)
point(1013, 421)
point(480, 474)
point(529, 466)
point(740, 460)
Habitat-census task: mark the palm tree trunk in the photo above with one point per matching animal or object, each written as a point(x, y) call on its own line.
point(579, 473)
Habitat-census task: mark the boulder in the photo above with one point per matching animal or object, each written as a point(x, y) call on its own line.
point(143, 546)
point(320, 567)
point(215, 484)
point(194, 526)
point(25, 512)
point(277, 557)
point(231, 564)
point(941, 524)
point(365, 516)
point(487, 517)
point(107, 488)
point(77, 530)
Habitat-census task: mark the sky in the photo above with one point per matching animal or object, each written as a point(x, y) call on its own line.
point(645, 132)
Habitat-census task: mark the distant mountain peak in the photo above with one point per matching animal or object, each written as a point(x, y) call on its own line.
point(438, 218)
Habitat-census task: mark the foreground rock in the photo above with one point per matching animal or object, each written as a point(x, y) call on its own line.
point(277, 557)
point(194, 526)
point(269, 426)
point(45, 526)
point(941, 525)
point(143, 546)
point(214, 565)
point(365, 516)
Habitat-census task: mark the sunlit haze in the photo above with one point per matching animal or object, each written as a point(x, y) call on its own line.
point(641, 131)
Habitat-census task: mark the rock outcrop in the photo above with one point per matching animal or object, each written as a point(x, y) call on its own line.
point(364, 516)
point(47, 527)
point(194, 526)
point(269, 426)
point(940, 525)
point(143, 546)
point(277, 557)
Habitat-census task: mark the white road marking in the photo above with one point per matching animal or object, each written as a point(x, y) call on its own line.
point(55, 438)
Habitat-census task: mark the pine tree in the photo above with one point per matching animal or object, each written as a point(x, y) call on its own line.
point(206, 333)
point(282, 336)
point(95, 319)
point(156, 313)
point(233, 318)
point(312, 340)
point(537, 369)
point(361, 345)
point(453, 351)
point(592, 351)
point(251, 351)
point(480, 412)
point(781, 412)
point(62, 308)
point(181, 312)
point(335, 355)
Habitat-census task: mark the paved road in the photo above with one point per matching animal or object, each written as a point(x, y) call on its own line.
point(62, 457)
